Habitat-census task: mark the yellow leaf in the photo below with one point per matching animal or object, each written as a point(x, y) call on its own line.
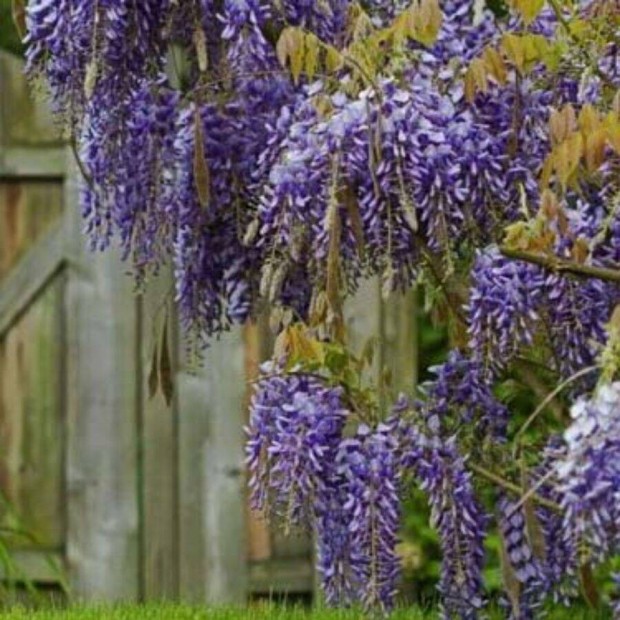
point(595, 149)
point(567, 157)
point(475, 79)
point(290, 47)
point(430, 18)
point(421, 21)
point(512, 45)
point(495, 64)
point(333, 58)
point(529, 9)
point(561, 124)
point(297, 59)
point(312, 55)
point(613, 135)
point(200, 44)
point(589, 119)
point(547, 171)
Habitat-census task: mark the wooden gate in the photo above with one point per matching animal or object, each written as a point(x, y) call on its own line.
point(133, 499)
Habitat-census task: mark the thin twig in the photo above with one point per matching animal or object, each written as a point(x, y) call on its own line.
point(550, 397)
point(512, 487)
point(531, 493)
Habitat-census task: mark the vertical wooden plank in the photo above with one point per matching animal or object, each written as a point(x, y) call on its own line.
point(257, 349)
point(223, 466)
point(192, 395)
point(158, 449)
point(31, 423)
point(212, 494)
point(103, 379)
point(400, 341)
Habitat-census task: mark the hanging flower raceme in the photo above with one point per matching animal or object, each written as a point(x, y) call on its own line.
point(461, 394)
point(370, 465)
point(578, 313)
point(503, 307)
point(89, 49)
point(527, 583)
point(129, 158)
point(216, 274)
point(561, 561)
point(459, 519)
point(296, 424)
point(588, 475)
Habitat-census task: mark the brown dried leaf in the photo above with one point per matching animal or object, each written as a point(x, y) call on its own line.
point(549, 205)
point(200, 43)
point(533, 529)
point(154, 374)
point(202, 177)
point(348, 197)
point(18, 10)
point(580, 250)
point(511, 583)
point(588, 585)
point(282, 344)
point(165, 368)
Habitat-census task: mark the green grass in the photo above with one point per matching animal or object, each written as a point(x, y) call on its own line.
point(256, 612)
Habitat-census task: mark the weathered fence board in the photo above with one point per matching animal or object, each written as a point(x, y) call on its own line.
point(31, 423)
point(158, 448)
point(138, 500)
point(102, 503)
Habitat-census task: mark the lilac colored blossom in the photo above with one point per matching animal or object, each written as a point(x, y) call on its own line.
point(461, 393)
point(295, 430)
point(503, 308)
point(525, 567)
point(459, 519)
point(370, 466)
point(588, 473)
point(578, 313)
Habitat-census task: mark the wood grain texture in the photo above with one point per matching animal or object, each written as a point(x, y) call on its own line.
point(257, 345)
point(25, 120)
point(31, 423)
point(102, 372)
point(27, 211)
point(213, 544)
point(159, 456)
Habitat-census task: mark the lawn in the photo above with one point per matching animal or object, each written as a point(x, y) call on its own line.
point(261, 612)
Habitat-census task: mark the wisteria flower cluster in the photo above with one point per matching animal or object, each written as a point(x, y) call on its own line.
point(275, 153)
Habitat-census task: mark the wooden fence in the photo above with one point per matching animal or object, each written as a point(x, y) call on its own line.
point(133, 499)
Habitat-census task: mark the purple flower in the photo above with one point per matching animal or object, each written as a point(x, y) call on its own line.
point(296, 424)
